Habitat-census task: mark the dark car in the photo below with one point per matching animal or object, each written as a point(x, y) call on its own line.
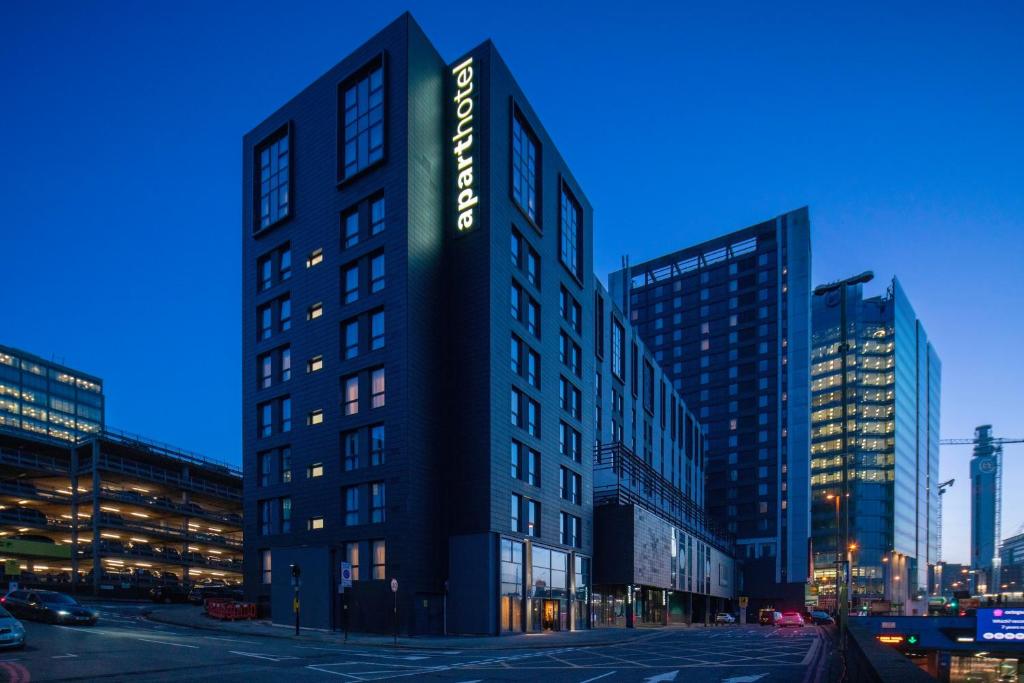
point(49, 606)
point(821, 618)
point(202, 592)
point(168, 593)
point(768, 617)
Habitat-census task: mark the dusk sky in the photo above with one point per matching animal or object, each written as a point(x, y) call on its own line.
point(900, 128)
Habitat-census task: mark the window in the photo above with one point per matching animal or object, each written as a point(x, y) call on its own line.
point(569, 529)
point(315, 311)
point(286, 364)
point(350, 450)
point(266, 365)
point(515, 458)
point(517, 504)
point(569, 397)
point(569, 442)
point(532, 518)
point(266, 518)
point(284, 264)
point(377, 273)
point(315, 364)
point(266, 418)
point(351, 284)
point(286, 515)
point(532, 418)
point(516, 354)
point(272, 192)
point(377, 216)
point(363, 106)
point(286, 415)
point(314, 523)
point(570, 485)
point(377, 388)
point(379, 559)
point(533, 318)
point(315, 417)
point(351, 337)
point(315, 258)
point(266, 316)
point(351, 496)
point(285, 322)
point(265, 567)
point(618, 350)
point(570, 310)
point(350, 228)
point(265, 463)
point(377, 445)
point(571, 233)
point(516, 400)
point(265, 271)
point(351, 395)
point(533, 267)
point(352, 557)
point(525, 165)
point(599, 325)
point(533, 467)
point(285, 464)
point(377, 330)
point(516, 298)
point(533, 367)
point(376, 502)
point(315, 470)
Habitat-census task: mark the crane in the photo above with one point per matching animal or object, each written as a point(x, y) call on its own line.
point(995, 441)
point(942, 489)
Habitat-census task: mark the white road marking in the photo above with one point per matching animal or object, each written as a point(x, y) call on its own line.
point(165, 642)
point(744, 679)
point(596, 678)
point(375, 655)
point(231, 640)
point(667, 676)
point(256, 655)
point(63, 656)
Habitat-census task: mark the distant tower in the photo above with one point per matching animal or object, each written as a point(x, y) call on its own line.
point(986, 509)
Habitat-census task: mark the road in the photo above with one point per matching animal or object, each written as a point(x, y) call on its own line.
point(125, 646)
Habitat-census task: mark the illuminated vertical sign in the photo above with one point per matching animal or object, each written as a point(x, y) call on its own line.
point(466, 198)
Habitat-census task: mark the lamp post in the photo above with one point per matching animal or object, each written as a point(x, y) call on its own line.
point(835, 497)
point(841, 286)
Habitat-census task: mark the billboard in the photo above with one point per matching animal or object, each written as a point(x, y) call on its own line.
point(1000, 624)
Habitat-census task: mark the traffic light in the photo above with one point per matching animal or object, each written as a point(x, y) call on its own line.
point(296, 571)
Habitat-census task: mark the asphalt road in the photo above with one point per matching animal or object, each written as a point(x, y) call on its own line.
point(125, 646)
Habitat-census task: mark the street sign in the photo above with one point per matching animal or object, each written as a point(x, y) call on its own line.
point(744, 600)
point(346, 574)
point(1000, 624)
point(394, 585)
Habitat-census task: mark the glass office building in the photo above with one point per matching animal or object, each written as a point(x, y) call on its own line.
point(729, 321)
point(48, 399)
point(893, 389)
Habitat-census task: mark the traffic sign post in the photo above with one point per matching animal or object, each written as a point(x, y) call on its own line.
point(346, 582)
point(296, 584)
point(394, 591)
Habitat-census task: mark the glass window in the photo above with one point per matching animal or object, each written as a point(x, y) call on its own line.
point(266, 315)
point(352, 557)
point(377, 273)
point(377, 216)
point(533, 318)
point(570, 233)
point(315, 364)
point(525, 176)
point(379, 559)
point(315, 258)
point(286, 515)
point(286, 415)
point(266, 413)
point(618, 350)
point(286, 314)
point(533, 368)
point(515, 460)
point(351, 284)
point(533, 267)
point(315, 470)
point(273, 159)
point(284, 264)
point(532, 418)
point(350, 226)
point(517, 502)
point(285, 466)
point(266, 460)
point(350, 450)
point(363, 118)
point(515, 354)
point(315, 311)
point(265, 268)
point(265, 512)
point(351, 497)
point(532, 518)
point(286, 364)
point(516, 297)
point(314, 523)
point(377, 388)
point(351, 396)
point(266, 371)
point(351, 339)
point(377, 439)
point(315, 417)
point(516, 399)
point(377, 502)
point(377, 330)
point(265, 567)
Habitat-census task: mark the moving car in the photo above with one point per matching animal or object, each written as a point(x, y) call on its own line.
point(790, 619)
point(12, 633)
point(49, 606)
point(724, 618)
point(768, 617)
point(821, 618)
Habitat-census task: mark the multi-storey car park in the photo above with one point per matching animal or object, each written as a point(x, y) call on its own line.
point(74, 492)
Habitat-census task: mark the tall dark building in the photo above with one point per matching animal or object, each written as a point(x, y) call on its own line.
point(729, 321)
point(986, 510)
point(417, 273)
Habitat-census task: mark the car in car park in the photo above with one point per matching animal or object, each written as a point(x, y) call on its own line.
point(819, 618)
point(12, 632)
point(168, 593)
point(204, 591)
point(790, 619)
point(724, 618)
point(48, 606)
point(768, 617)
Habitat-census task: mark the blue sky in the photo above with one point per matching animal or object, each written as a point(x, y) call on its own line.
point(899, 126)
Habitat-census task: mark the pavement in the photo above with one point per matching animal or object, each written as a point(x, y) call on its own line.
point(129, 645)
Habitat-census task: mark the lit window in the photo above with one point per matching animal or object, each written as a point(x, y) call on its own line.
point(315, 364)
point(265, 567)
point(316, 258)
point(315, 417)
point(285, 464)
point(379, 559)
point(532, 518)
point(351, 396)
point(377, 388)
point(315, 470)
point(315, 523)
point(273, 160)
point(286, 515)
point(352, 557)
point(363, 107)
point(315, 311)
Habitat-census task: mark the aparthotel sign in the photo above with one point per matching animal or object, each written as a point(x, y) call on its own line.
point(466, 197)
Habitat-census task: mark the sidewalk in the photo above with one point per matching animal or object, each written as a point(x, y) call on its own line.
point(193, 617)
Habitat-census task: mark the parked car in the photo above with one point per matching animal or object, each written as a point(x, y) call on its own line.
point(724, 618)
point(790, 619)
point(12, 632)
point(202, 592)
point(768, 617)
point(821, 618)
point(49, 606)
point(168, 593)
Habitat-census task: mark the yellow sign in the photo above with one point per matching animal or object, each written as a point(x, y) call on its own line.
point(295, 605)
point(18, 546)
point(892, 639)
point(12, 568)
point(743, 601)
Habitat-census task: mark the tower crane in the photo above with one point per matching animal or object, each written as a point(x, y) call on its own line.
point(942, 489)
point(995, 441)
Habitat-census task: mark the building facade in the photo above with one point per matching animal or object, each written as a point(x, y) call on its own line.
point(417, 273)
point(986, 510)
point(729, 321)
point(659, 558)
point(893, 391)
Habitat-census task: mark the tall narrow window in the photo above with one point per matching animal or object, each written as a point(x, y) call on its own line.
point(351, 395)
point(350, 282)
point(377, 216)
point(377, 388)
point(363, 106)
point(285, 464)
point(286, 364)
point(618, 349)
point(265, 269)
point(284, 264)
point(286, 515)
point(351, 337)
point(525, 176)
point(379, 559)
point(517, 505)
point(266, 413)
point(377, 439)
point(285, 321)
point(273, 160)
point(532, 518)
point(377, 330)
point(515, 460)
point(286, 415)
point(352, 557)
point(266, 371)
point(350, 226)
point(350, 450)
point(570, 232)
point(376, 502)
point(377, 273)
point(351, 497)
point(265, 567)
point(266, 316)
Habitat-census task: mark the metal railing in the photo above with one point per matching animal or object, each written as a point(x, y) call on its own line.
point(138, 441)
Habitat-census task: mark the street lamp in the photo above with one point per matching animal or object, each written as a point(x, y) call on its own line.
point(834, 497)
point(844, 347)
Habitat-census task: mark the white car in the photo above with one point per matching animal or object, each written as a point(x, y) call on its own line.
point(724, 618)
point(790, 619)
point(12, 632)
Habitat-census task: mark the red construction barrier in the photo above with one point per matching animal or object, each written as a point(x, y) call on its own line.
point(230, 610)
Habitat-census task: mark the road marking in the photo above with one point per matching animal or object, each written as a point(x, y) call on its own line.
point(256, 655)
point(744, 679)
point(63, 656)
point(375, 655)
point(165, 642)
point(667, 676)
point(231, 640)
point(597, 678)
